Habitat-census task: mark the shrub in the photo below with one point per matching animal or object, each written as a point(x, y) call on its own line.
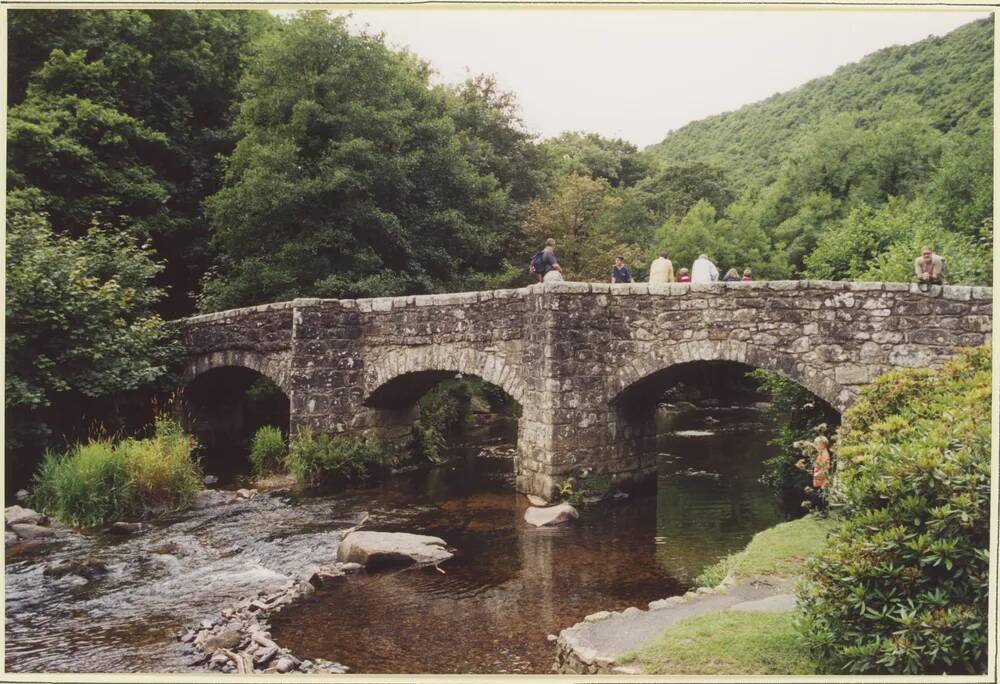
point(902, 588)
point(268, 451)
point(97, 483)
point(797, 413)
point(86, 487)
point(314, 457)
point(161, 471)
point(428, 443)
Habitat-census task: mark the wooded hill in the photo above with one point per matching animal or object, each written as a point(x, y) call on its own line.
point(950, 76)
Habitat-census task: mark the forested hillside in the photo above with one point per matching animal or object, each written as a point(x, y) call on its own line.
point(950, 77)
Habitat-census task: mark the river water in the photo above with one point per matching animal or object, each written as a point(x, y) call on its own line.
point(507, 587)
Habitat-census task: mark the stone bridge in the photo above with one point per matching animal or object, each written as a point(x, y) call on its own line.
point(586, 362)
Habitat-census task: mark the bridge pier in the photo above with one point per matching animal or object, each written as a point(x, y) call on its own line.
point(582, 359)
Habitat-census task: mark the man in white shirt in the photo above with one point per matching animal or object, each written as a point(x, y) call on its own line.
point(661, 270)
point(704, 271)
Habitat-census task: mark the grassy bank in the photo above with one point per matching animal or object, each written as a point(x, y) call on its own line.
point(741, 643)
point(777, 551)
point(728, 643)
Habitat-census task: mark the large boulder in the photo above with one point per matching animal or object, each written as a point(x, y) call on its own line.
point(391, 549)
point(14, 515)
point(551, 515)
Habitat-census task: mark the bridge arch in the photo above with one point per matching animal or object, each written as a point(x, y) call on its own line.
point(644, 367)
point(420, 368)
point(271, 367)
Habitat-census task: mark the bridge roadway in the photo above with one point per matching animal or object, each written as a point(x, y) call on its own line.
point(584, 360)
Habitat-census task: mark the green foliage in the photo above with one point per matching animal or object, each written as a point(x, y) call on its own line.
point(79, 321)
point(903, 586)
point(161, 471)
point(317, 457)
point(797, 412)
point(576, 153)
point(123, 113)
point(268, 451)
point(100, 482)
point(781, 550)
point(881, 245)
point(352, 178)
point(950, 78)
point(727, 643)
point(87, 487)
point(576, 491)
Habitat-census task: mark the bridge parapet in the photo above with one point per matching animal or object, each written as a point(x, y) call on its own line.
point(580, 357)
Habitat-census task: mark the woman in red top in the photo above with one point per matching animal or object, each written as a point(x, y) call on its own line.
point(683, 276)
point(746, 275)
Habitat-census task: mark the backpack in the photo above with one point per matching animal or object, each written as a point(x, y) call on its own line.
point(537, 264)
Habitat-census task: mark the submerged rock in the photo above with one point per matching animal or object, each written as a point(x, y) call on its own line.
point(552, 515)
point(387, 549)
point(121, 527)
point(86, 568)
point(26, 531)
point(209, 480)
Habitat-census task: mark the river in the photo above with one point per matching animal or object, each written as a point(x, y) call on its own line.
point(490, 611)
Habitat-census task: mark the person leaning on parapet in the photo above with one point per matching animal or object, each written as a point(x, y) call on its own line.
point(704, 271)
point(545, 262)
point(732, 276)
point(747, 275)
point(661, 270)
point(620, 272)
point(929, 268)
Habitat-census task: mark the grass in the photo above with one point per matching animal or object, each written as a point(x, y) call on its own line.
point(780, 551)
point(728, 643)
point(314, 457)
point(267, 451)
point(101, 482)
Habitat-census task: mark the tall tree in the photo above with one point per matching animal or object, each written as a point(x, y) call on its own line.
point(352, 177)
point(122, 113)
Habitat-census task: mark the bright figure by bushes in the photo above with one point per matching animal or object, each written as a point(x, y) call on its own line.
point(903, 586)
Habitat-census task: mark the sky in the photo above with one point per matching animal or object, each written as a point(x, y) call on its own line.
point(638, 74)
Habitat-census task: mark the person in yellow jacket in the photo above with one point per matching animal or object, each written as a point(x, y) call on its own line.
point(661, 270)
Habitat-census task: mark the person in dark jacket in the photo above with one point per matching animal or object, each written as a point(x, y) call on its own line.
point(620, 272)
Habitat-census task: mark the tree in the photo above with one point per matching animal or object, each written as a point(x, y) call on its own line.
point(350, 178)
point(588, 154)
point(80, 324)
point(578, 215)
point(672, 190)
point(123, 113)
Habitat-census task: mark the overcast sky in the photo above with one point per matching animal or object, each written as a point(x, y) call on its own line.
point(638, 74)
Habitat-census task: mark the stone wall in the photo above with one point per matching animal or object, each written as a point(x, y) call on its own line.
point(581, 359)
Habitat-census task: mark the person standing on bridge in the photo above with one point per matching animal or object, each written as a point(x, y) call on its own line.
point(661, 270)
point(929, 268)
point(732, 276)
point(620, 272)
point(704, 271)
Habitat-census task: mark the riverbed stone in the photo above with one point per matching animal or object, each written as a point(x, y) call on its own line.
point(246, 493)
point(14, 515)
point(125, 528)
point(285, 665)
point(26, 531)
point(22, 495)
point(229, 638)
point(537, 501)
point(552, 515)
point(387, 549)
point(9, 538)
point(88, 569)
